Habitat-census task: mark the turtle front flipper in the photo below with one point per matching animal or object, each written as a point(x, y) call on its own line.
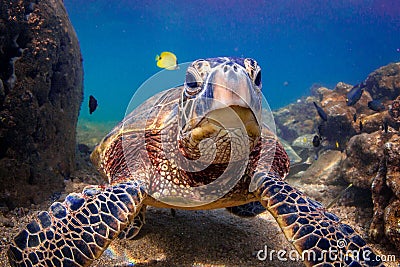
point(318, 235)
point(131, 231)
point(77, 231)
point(248, 210)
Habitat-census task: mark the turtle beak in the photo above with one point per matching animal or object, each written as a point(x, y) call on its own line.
point(231, 87)
point(229, 101)
point(227, 85)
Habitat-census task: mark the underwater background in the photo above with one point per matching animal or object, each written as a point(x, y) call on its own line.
point(297, 43)
point(337, 150)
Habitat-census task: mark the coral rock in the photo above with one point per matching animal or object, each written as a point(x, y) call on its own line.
point(339, 126)
point(296, 119)
point(392, 156)
point(322, 180)
point(40, 95)
point(384, 82)
point(374, 122)
point(394, 110)
point(385, 187)
point(363, 153)
point(392, 222)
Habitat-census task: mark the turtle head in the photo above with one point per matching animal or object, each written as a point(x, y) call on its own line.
point(220, 106)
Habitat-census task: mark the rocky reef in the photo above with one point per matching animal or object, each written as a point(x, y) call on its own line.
point(360, 145)
point(40, 96)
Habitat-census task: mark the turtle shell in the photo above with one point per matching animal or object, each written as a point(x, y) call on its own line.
point(109, 156)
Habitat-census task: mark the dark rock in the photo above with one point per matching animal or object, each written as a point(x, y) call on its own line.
point(301, 118)
point(381, 195)
point(392, 227)
point(363, 153)
point(2, 93)
point(341, 88)
point(82, 159)
point(322, 180)
point(392, 156)
point(340, 126)
point(3, 208)
point(314, 90)
point(40, 96)
point(296, 119)
point(374, 122)
point(326, 170)
point(384, 82)
point(394, 110)
point(6, 222)
point(84, 149)
point(386, 193)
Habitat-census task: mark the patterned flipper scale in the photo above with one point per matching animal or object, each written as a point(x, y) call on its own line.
point(248, 210)
point(312, 229)
point(131, 231)
point(77, 231)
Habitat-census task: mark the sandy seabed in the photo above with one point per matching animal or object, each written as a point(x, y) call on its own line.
point(212, 238)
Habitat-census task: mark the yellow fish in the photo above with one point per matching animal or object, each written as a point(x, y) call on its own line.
point(167, 60)
point(337, 144)
point(305, 140)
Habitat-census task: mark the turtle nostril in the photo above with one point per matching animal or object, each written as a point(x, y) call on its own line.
point(225, 69)
point(235, 68)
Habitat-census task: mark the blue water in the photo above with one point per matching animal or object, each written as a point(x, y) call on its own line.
point(297, 43)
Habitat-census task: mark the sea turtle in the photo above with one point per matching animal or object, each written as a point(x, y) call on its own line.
point(201, 145)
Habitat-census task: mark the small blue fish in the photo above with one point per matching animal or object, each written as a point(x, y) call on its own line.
point(321, 112)
point(92, 104)
point(376, 105)
point(355, 94)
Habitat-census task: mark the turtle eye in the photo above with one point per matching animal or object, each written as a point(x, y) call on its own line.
point(257, 80)
point(191, 80)
point(192, 84)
